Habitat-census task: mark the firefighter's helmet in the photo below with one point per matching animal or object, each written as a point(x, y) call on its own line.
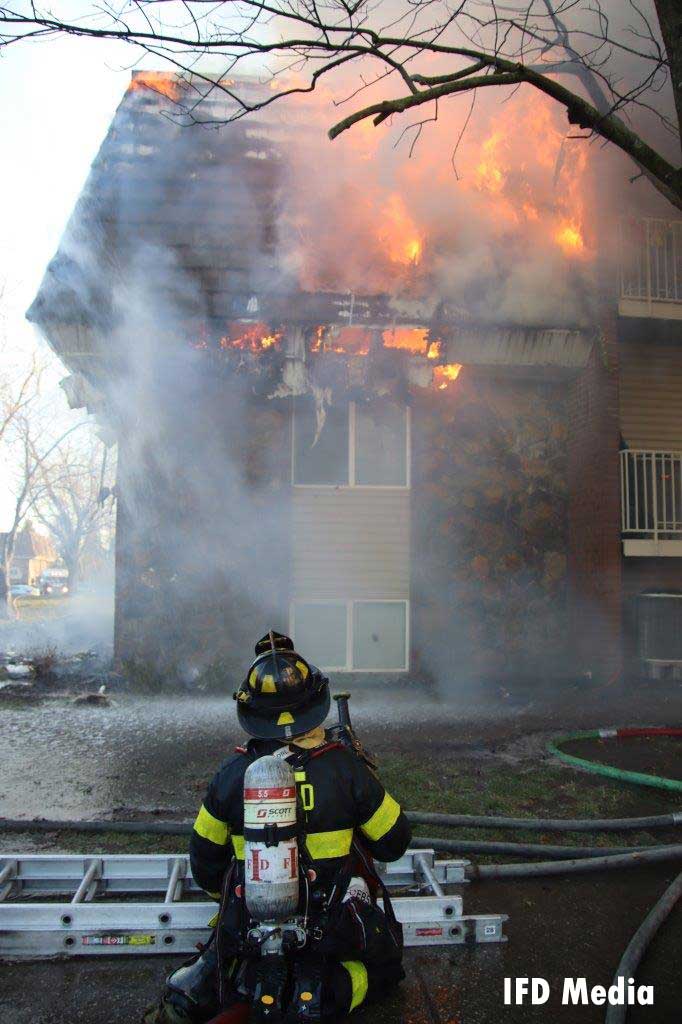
point(283, 695)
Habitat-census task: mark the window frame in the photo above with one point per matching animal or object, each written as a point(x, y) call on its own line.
point(352, 485)
point(349, 603)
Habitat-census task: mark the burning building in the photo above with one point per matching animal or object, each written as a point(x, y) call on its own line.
point(363, 402)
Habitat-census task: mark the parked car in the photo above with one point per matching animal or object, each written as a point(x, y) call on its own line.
point(53, 588)
point(23, 590)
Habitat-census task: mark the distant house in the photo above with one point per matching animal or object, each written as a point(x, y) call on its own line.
point(33, 554)
point(407, 489)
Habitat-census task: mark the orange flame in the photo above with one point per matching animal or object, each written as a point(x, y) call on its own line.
point(412, 339)
point(444, 375)
point(250, 337)
point(163, 82)
point(413, 226)
point(350, 341)
point(398, 232)
point(504, 173)
point(569, 237)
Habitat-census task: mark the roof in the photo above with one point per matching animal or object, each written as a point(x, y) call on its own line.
point(197, 212)
point(30, 544)
point(147, 189)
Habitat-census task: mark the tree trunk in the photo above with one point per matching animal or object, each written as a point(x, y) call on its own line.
point(7, 609)
point(73, 569)
point(670, 19)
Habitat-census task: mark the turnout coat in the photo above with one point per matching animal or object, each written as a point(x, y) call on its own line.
point(339, 798)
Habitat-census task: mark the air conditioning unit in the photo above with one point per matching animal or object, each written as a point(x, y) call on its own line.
point(659, 633)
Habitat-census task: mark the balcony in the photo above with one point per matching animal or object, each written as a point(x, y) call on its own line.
point(651, 503)
point(651, 268)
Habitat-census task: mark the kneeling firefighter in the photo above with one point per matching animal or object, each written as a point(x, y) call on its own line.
point(285, 840)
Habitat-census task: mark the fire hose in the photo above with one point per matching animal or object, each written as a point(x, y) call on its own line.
point(596, 768)
point(561, 860)
point(639, 943)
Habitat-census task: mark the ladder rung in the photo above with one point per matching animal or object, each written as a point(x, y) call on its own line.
point(88, 885)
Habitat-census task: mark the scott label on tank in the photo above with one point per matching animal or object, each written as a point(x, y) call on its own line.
point(578, 992)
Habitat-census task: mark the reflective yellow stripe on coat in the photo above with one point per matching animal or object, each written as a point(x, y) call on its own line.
point(321, 845)
point(383, 819)
point(329, 844)
point(358, 980)
point(211, 828)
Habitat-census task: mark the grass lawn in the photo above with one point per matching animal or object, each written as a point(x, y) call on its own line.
point(33, 609)
point(533, 789)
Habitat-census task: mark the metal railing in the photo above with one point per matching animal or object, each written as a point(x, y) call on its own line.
point(651, 494)
point(651, 259)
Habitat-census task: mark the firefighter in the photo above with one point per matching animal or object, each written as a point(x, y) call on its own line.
point(353, 951)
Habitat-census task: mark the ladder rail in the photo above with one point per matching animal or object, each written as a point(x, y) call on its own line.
point(57, 874)
point(110, 913)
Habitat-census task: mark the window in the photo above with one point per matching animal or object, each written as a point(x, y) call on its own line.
point(320, 456)
point(359, 445)
point(352, 636)
point(379, 635)
point(319, 629)
point(380, 444)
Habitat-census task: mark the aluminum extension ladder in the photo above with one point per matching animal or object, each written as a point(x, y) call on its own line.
point(109, 910)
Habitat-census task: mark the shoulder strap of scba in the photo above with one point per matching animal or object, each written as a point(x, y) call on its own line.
point(302, 755)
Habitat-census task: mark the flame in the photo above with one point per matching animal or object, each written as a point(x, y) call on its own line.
point(444, 375)
point(374, 221)
point(398, 232)
point(349, 341)
point(256, 337)
point(569, 237)
point(488, 173)
point(163, 82)
point(413, 339)
point(504, 173)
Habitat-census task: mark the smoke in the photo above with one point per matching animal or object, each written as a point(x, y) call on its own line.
point(83, 621)
point(150, 256)
point(495, 222)
point(183, 231)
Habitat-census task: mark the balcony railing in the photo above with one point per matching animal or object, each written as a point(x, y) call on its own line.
point(651, 267)
point(651, 501)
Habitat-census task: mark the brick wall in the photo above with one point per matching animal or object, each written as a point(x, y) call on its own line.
point(595, 561)
point(489, 531)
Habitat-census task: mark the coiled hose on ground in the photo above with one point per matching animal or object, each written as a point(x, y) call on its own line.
point(596, 768)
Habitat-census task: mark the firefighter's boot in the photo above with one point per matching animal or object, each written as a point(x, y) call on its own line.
point(265, 981)
point(190, 994)
point(305, 1003)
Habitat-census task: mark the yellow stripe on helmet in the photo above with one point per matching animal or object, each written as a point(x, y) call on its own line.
point(383, 819)
point(268, 684)
point(211, 828)
point(358, 980)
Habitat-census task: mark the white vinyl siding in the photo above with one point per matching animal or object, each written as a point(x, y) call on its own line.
point(651, 396)
point(351, 542)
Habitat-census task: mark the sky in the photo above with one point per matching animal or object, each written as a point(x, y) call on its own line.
point(57, 98)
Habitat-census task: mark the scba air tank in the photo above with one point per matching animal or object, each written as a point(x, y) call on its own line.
point(270, 846)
